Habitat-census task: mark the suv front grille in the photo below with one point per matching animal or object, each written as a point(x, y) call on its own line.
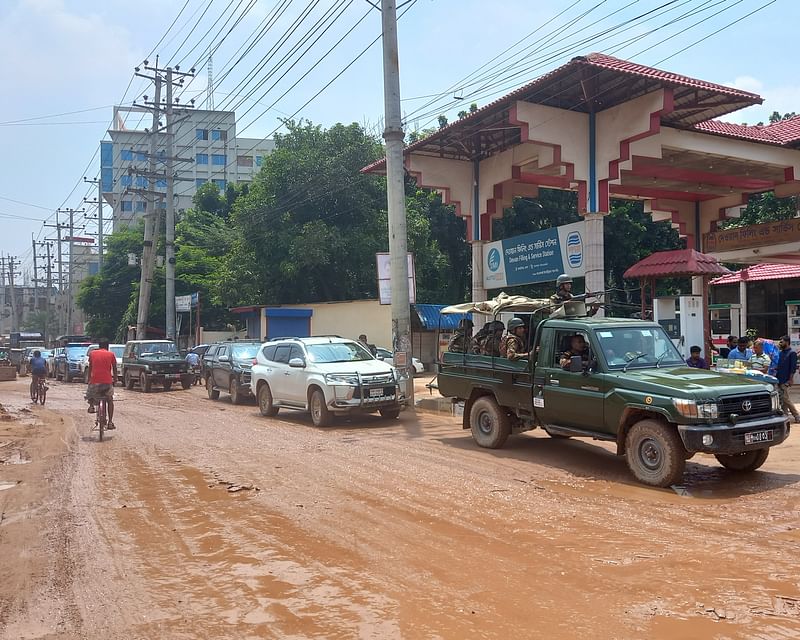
point(381, 378)
point(759, 404)
point(246, 377)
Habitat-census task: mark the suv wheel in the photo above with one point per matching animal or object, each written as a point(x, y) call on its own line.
point(390, 414)
point(489, 424)
point(213, 394)
point(265, 401)
point(127, 380)
point(655, 454)
point(320, 415)
point(145, 384)
point(744, 462)
point(233, 391)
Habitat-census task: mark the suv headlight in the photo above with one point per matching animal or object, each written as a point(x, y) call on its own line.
point(350, 379)
point(692, 409)
point(776, 401)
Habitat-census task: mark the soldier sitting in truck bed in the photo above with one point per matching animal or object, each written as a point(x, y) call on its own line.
point(515, 340)
point(577, 347)
point(491, 346)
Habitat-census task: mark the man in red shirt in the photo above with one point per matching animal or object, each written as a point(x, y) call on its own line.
point(102, 373)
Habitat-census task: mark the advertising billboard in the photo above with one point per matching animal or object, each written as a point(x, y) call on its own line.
point(535, 257)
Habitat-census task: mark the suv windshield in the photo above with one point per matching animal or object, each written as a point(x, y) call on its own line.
point(641, 347)
point(75, 353)
point(158, 348)
point(117, 350)
point(337, 352)
point(245, 351)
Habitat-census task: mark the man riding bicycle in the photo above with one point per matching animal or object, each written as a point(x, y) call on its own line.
point(38, 370)
point(102, 373)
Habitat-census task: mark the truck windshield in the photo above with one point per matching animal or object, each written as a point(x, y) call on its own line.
point(245, 351)
point(637, 347)
point(338, 352)
point(158, 348)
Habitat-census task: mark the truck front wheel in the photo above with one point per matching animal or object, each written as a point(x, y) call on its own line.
point(655, 453)
point(747, 461)
point(489, 424)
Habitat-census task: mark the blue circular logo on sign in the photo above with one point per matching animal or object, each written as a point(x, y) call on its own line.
point(574, 250)
point(494, 260)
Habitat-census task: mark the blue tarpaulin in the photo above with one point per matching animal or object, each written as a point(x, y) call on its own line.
point(430, 317)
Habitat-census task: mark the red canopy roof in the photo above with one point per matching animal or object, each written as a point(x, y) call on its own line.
point(677, 263)
point(784, 132)
point(760, 272)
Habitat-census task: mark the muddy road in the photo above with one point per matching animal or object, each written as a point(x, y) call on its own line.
point(201, 519)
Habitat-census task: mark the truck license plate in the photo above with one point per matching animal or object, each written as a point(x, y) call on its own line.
point(376, 393)
point(754, 437)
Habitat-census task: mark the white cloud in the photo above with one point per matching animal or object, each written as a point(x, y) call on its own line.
point(784, 99)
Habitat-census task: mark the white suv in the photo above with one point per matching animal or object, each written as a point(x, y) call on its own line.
point(326, 376)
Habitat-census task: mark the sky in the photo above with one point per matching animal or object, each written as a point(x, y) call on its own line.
point(67, 62)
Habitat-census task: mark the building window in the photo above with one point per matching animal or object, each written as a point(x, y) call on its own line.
point(127, 205)
point(201, 158)
point(141, 206)
point(162, 154)
point(258, 160)
point(218, 159)
point(161, 184)
point(126, 154)
point(141, 156)
point(218, 134)
point(126, 181)
point(220, 184)
point(199, 182)
point(141, 182)
point(244, 161)
point(201, 134)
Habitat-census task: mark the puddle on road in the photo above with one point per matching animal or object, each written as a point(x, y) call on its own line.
point(7, 485)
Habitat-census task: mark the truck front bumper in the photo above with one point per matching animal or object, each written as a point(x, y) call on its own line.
point(727, 438)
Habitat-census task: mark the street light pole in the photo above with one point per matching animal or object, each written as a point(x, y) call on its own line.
point(396, 199)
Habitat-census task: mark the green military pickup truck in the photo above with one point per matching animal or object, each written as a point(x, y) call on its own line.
point(632, 387)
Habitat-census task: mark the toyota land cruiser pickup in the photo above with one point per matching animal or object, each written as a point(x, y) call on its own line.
point(632, 388)
point(148, 362)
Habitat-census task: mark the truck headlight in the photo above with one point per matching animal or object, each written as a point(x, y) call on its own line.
point(692, 409)
point(776, 401)
point(342, 379)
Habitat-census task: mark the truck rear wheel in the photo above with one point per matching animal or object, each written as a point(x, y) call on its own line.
point(655, 453)
point(490, 425)
point(744, 462)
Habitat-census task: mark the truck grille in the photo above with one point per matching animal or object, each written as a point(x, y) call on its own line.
point(246, 377)
point(758, 404)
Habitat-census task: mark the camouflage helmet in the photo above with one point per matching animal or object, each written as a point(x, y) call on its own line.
point(515, 323)
point(563, 279)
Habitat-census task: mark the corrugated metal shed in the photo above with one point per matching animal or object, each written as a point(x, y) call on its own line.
point(431, 317)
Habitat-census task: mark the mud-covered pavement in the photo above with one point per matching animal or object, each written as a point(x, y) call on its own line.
point(200, 519)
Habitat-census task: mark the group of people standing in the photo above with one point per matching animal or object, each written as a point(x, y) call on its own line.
point(778, 360)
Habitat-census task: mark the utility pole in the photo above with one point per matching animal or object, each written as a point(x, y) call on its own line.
point(170, 230)
point(49, 305)
point(99, 203)
point(35, 276)
point(11, 264)
point(70, 264)
point(396, 199)
point(59, 252)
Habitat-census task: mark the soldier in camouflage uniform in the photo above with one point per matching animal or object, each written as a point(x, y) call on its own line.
point(461, 342)
point(515, 340)
point(563, 289)
point(491, 347)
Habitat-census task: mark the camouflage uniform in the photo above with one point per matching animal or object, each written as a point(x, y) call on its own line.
point(515, 347)
point(491, 347)
point(459, 342)
point(560, 297)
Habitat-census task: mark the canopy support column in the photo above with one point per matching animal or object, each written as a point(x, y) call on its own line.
point(595, 255)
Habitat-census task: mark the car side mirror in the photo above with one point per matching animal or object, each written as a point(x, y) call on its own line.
point(576, 364)
point(379, 356)
point(224, 359)
point(297, 363)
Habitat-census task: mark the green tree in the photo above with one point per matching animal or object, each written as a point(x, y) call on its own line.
point(763, 207)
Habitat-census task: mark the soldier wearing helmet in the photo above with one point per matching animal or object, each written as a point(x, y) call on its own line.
point(492, 346)
point(515, 340)
point(563, 289)
point(461, 342)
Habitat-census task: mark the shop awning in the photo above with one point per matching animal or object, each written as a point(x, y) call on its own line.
point(432, 318)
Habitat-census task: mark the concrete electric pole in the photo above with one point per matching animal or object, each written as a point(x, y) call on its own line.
point(396, 199)
point(99, 203)
point(170, 230)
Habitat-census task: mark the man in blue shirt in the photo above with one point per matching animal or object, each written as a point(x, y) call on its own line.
point(38, 369)
point(741, 352)
point(787, 365)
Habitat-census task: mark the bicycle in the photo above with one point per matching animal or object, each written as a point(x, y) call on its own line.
point(39, 390)
point(101, 419)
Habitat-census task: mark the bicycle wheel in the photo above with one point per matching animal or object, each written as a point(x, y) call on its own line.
point(42, 394)
point(34, 393)
point(101, 418)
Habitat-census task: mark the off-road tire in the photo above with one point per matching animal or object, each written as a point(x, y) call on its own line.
point(320, 415)
point(233, 392)
point(213, 394)
point(265, 401)
point(654, 453)
point(127, 380)
point(489, 423)
point(145, 383)
point(390, 414)
point(186, 384)
point(167, 385)
point(743, 462)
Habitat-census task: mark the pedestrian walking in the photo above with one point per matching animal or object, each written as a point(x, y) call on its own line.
point(787, 366)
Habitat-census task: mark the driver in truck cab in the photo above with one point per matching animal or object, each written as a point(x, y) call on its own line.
point(577, 347)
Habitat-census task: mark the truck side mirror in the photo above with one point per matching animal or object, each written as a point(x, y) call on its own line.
point(576, 364)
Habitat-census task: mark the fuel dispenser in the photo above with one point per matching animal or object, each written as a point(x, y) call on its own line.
point(682, 319)
point(726, 320)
